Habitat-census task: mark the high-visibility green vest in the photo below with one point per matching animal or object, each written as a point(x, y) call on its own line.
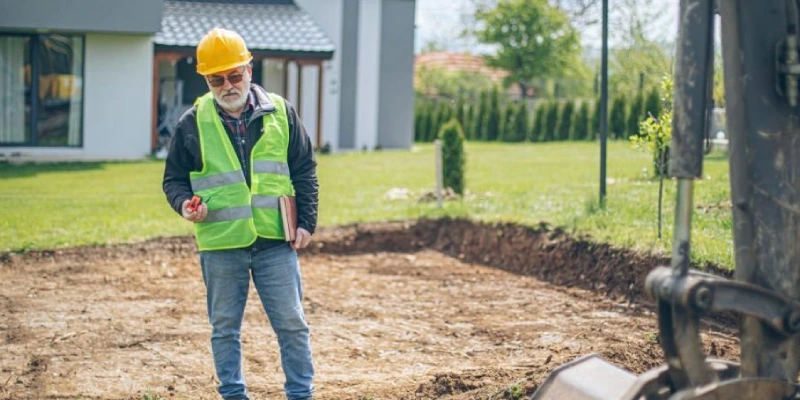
point(237, 215)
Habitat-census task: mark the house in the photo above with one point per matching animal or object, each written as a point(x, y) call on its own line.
point(99, 79)
point(465, 62)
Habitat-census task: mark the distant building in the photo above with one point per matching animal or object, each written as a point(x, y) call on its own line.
point(452, 62)
point(79, 81)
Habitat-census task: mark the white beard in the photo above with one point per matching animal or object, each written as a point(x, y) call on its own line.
point(233, 105)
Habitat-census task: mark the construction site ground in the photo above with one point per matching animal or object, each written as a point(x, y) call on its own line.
point(445, 309)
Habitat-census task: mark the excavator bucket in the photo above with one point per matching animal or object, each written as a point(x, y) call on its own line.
point(586, 378)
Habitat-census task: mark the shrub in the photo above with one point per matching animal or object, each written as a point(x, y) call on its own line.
point(453, 157)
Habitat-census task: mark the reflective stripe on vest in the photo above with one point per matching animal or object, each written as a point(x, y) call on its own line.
point(237, 215)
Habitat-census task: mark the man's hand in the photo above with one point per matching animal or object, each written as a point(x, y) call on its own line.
point(302, 239)
point(194, 216)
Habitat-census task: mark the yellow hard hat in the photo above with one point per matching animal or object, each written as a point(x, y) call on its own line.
point(220, 50)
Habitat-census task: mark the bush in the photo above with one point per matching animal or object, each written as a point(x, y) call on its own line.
point(617, 119)
point(506, 122)
point(580, 126)
point(565, 123)
point(652, 106)
point(479, 133)
point(492, 122)
point(550, 122)
point(535, 134)
point(469, 125)
point(453, 157)
point(655, 133)
point(520, 126)
point(636, 114)
point(594, 126)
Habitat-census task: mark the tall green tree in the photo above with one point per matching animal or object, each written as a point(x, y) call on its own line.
point(540, 114)
point(580, 127)
point(469, 124)
point(551, 122)
point(617, 119)
point(635, 114)
point(565, 120)
point(534, 40)
point(492, 122)
point(479, 131)
point(519, 128)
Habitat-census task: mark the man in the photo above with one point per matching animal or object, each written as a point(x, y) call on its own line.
point(240, 148)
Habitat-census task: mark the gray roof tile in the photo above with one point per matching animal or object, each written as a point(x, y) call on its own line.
point(275, 26)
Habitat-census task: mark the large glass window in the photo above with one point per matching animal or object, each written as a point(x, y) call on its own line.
point(41, 90)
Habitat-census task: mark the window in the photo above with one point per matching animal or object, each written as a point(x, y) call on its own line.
point(41, 90)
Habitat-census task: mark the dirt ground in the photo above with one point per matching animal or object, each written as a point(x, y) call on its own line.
point(430, 310)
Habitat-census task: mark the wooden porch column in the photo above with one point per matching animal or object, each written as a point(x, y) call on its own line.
point(299, 88)
point(319, 105)
point(286, 79)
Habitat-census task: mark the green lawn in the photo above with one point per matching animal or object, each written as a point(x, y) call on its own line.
point(74, 204)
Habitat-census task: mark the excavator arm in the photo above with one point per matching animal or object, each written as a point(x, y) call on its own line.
point(761, 69)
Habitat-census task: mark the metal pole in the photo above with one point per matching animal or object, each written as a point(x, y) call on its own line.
point(604, 105)
point(439, 179)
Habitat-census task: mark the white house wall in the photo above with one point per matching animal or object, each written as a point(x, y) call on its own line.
point(328, 15)
point(367, 95)
point(118, 97)
point(117, 106)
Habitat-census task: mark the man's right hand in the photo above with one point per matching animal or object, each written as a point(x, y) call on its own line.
point(198, 215)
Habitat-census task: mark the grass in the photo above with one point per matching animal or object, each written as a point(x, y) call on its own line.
point(47, 206)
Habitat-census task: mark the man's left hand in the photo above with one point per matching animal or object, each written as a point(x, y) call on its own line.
point(302, 239)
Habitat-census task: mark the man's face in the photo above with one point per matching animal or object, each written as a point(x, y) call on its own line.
point(230, 87)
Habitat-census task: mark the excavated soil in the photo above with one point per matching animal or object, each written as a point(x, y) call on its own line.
point(445, 309)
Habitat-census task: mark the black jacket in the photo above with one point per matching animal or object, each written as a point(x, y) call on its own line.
point(184, 156)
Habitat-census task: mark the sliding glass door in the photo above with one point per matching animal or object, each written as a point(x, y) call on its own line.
point(41, 90)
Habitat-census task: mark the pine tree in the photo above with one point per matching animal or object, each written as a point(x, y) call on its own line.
point(580, 127)
point(565, 120)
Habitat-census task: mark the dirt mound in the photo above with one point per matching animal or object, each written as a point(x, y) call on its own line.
point(546, 253)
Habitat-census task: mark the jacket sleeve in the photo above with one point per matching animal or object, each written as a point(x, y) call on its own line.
point(180, 161)
point(303, 171)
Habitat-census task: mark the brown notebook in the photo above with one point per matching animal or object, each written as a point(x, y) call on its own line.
point(288, 207)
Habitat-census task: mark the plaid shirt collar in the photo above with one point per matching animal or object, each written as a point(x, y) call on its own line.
point(249, 108)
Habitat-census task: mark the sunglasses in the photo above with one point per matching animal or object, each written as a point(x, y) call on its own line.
point(217, 80)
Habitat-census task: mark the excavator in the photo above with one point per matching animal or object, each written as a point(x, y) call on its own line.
point(761, 61)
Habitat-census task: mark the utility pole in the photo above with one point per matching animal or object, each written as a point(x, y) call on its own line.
point(604, 105)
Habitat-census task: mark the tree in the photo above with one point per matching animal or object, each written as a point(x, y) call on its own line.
point(635, 114)
point(519, 128)
point(453, 157)
point(492, 122)
point(640, 50)
point(580, 127)
point(594, 126)
point(435, 81)
point(550, 123)
point(506, 122)
point(617, 118)
point(469, 124)
point(479, 131)
point(534, 40)
point(652, 106)
point(565, 123)
point(535, 134)
point(460, 110)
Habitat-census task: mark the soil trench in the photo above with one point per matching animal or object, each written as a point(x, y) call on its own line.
point(445, 309)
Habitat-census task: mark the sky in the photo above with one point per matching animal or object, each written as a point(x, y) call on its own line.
point(440, 20)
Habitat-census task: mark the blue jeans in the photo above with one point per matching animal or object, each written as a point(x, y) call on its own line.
point(276, 276)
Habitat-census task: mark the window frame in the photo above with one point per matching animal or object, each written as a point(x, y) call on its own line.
point(35, 42)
